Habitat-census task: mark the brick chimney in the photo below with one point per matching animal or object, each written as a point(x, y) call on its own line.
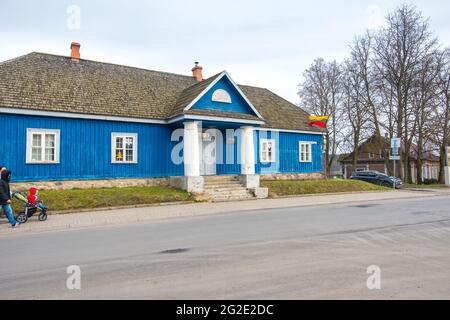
point(197, 72)
point(75, 47)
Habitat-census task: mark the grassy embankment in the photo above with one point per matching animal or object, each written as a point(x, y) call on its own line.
point(59, 200)
point(300, 187)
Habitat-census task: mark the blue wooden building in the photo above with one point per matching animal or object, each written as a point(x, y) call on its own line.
point(65, 118)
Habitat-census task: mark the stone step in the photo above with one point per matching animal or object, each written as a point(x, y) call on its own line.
point(222, 190)
point(226, 188)
point(220, 178)
point(225, 199)
point(223, 185)
point(229, 193)
point(210, 189)
point(206, 182)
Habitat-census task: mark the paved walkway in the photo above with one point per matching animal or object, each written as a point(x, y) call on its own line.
point(153, 213)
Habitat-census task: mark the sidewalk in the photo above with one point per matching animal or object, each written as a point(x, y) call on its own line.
point(153, 213)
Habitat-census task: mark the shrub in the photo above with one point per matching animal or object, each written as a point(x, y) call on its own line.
point(430, 181)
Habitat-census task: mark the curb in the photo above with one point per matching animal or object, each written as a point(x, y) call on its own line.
point(143, 205)
point(329, 194)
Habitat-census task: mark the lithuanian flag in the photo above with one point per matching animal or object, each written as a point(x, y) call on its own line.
point(320, 121)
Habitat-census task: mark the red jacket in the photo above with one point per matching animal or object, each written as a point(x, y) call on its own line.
point(32, 196)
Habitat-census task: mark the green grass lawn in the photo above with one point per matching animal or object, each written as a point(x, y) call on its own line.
point(299, 187)
point(58, 200)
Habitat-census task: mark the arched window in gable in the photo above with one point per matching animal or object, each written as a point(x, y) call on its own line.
point(221, 95)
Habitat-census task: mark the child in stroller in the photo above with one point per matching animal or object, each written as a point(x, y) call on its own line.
point(32, 205)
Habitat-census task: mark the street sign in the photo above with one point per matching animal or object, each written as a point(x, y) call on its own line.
point(395, 143)
point(395, 155)
point(395, 147)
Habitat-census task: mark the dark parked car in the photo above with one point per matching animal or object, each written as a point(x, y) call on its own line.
point(376, 177)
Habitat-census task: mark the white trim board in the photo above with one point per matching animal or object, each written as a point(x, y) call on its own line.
point(212, 118)
point(71, 115)
point(289, 131)
point(220, 76)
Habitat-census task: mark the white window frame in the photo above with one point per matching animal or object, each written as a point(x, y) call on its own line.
point(42, 132)
point(310, 144)
point(221, 95)
point(114, 136)
point(261, 143)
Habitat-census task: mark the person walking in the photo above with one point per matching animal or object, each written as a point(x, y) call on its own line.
point(2, 168)
point(5, 197)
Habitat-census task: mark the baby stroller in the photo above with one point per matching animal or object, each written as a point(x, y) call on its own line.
point(30, 209)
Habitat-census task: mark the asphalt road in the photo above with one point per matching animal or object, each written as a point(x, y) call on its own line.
point(290, 253)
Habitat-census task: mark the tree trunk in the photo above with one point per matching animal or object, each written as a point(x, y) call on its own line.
point(409, 171)
point(407, 163)
point(355, 150)
point(399, 171)
point(445, 141)
point(442, 163)
point(388, 163)
point(327, 155)
point(419, 158)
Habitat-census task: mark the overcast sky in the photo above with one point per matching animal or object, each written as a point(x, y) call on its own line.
point(259, 42)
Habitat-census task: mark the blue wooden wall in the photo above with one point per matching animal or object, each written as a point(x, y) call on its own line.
point(238, 103)
point(85, 149)
point(228, 161)
point(287, 153)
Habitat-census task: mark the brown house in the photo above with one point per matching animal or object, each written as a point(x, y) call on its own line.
point(371, 156)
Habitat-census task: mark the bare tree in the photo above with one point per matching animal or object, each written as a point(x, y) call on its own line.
point(356, 107)
point(320, 94)
point(361, 55)
point(376, 103)
point(396, 80)
point(443, 112)
point(399, 48)
point(424, 104)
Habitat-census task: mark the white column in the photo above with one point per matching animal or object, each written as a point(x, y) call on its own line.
point(191, 149)
point(247, 151)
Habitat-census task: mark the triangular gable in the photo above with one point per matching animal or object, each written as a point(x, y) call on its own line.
point(224, 95)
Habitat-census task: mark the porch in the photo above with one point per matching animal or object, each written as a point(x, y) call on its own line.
point(219, 159)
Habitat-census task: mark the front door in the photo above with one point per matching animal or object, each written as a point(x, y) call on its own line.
point(208, 155)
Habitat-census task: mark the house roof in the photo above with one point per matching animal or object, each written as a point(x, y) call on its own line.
point(190, 93)
point(48, 82)
point(367, 145)
point(383, 143)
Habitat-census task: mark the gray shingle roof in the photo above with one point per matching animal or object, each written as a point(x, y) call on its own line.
point(189, 94)
point(56, 83)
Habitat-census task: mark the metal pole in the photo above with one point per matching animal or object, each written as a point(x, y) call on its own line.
point(395, 177)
